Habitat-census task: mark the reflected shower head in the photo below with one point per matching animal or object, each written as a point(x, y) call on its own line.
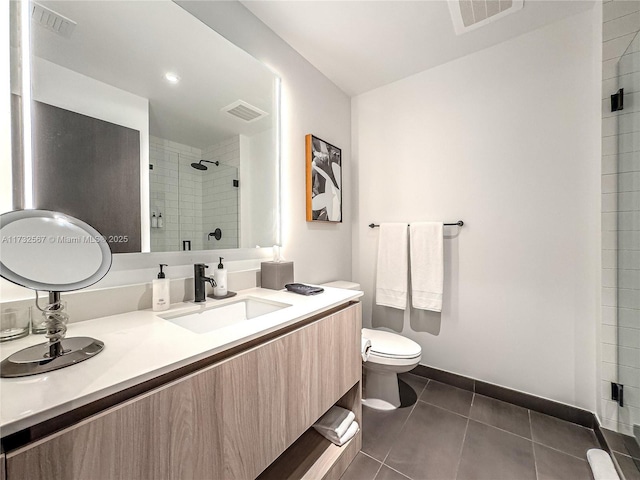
point(200, 166)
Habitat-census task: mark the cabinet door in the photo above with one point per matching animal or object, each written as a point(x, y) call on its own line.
point(338, 348)
point(278, 390)
point(171, 433)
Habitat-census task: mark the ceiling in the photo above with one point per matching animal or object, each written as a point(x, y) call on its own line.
point(132, 44)
point(362, 45)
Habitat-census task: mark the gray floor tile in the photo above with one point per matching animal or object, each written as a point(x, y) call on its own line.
point(554, 465)
point(386, 473)
point(454, 399)
point(622, 443)
point(362, 468)
point(380, 429)
point(416, 382)
point(564, 436)
point(409, 385)
point(629, 466)
point(493, 454)
point(502, 415)
point(429, 445)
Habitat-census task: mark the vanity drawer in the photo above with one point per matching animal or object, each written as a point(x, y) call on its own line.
point(229, 420)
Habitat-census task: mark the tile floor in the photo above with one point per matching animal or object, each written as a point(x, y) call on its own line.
point(626, 451)
point(443, 432)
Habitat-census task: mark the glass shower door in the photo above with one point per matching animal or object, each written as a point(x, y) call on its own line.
point(628, 233)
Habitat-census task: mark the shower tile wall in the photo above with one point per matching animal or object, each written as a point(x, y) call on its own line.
point(620, 233)
point(220, 204)
point(177, 197)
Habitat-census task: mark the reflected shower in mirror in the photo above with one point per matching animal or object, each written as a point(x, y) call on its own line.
point(150, 125)
point(205, 198)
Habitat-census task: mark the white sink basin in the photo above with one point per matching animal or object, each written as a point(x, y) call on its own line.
point(205, 320)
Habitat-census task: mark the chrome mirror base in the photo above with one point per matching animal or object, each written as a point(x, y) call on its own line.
point(37, 359)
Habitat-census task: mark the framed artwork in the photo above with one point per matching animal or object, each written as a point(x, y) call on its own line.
point(324, 181)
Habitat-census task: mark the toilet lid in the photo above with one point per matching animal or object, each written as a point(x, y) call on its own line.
point(387, 344)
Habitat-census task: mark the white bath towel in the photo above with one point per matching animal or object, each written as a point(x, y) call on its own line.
point(427, 265)
point(391, 278)
point(365, 348)
point(335, 423)
point(348, 435)
point(601, 465)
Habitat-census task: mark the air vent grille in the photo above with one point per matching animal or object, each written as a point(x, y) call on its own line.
point(244, 111)
point(51, 20)
point(470, 14)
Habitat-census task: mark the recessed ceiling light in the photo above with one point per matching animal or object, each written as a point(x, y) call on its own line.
point(171, 77)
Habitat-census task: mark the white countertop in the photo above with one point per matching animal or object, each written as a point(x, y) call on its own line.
point(139, 346)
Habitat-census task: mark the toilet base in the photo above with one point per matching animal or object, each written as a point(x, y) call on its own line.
point(382, 392)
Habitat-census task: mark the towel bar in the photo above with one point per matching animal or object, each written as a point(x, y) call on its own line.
point(459, 223)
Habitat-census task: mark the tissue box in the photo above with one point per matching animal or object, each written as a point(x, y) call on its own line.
point(275, 275)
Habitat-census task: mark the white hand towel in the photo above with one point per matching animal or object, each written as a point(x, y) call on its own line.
point(335, 422)
point(348, 435)
point(391, 278)
point(427, 265)
point(365, 348)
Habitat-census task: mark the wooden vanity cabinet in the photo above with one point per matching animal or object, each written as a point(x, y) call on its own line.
point(228, 421)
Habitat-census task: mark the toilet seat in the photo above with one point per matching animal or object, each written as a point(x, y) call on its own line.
point(375, 359)
point(386, 345)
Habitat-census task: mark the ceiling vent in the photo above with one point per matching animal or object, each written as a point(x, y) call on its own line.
point(51, 20)
point(468, 15)
point(244, 111)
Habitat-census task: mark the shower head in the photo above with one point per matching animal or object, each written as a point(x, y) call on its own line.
point(200, 166)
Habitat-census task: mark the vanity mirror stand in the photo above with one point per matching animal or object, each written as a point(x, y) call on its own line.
point(58, 352)
point(40, 248)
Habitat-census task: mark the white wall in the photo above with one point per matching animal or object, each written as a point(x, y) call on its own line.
point(310, 104)
point(507, 140)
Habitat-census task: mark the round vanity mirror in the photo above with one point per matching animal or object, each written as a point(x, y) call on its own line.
point(45, 250)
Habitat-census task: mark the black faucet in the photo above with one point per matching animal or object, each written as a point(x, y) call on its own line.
point(200, 278)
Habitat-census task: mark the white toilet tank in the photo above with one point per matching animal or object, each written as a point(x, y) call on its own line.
point(343, 284)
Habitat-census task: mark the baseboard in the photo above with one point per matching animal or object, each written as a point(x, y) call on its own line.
point(559, 410)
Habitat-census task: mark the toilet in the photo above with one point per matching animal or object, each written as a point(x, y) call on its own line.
point(390, 355)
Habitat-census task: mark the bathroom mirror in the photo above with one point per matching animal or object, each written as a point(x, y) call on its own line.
point(149, 125)
point(44, 250)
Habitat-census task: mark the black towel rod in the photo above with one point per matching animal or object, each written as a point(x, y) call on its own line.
point(459, 223)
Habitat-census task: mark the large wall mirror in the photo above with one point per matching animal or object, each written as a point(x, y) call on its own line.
point(151, 127)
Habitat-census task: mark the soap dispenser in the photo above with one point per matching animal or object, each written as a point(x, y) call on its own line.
point(220, 276)
point(161, 294)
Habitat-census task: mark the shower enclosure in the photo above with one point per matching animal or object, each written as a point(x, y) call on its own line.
point(197, 200)
point(628, 244)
